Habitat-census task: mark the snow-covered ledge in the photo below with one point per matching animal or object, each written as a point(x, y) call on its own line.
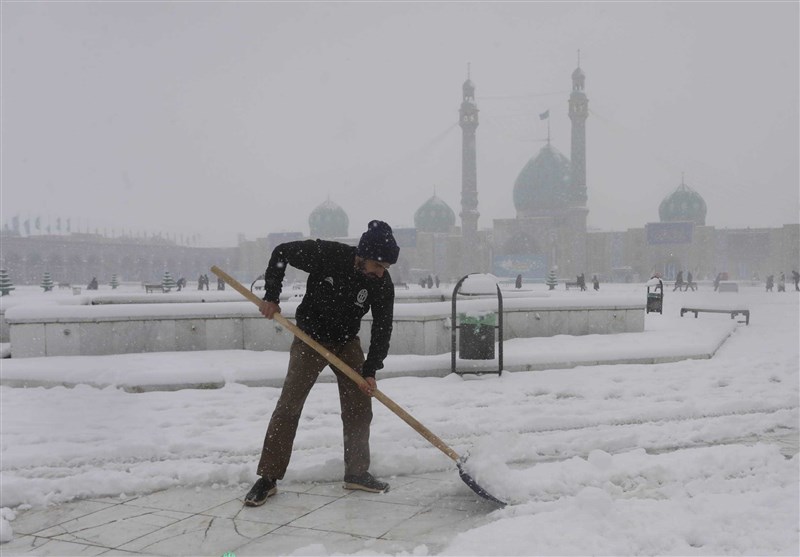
point(402, 296)
point(419, 328)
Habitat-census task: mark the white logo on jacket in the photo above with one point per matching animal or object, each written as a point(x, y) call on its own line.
point(361, 298)
point(329, 280)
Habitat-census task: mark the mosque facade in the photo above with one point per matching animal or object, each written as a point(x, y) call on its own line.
point(548, 231)
point(76, 258)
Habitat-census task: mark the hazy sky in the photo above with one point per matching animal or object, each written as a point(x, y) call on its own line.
point(224, 118)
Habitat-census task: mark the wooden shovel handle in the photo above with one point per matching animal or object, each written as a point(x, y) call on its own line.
point(343, 367)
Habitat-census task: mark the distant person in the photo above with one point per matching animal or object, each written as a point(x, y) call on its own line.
point(595, 282)
point(200, 282)
point(92, 284)
point(782, 282)
point(436, 280)
point(181, 283)
point(689, 282)
point(220, 284)
point(678, 281)
point(582, 282)
point(518, 282)
point(796, 279)
point(429, 282)
point(206, 282)
point(770, 282)
point(717, 280)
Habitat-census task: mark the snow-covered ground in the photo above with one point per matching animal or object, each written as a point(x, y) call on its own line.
point(695, 457)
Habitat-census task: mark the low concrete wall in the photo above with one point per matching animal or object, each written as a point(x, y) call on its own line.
point(423, 329)
point(201, 296)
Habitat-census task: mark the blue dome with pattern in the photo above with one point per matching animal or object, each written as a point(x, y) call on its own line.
point(543, 183)
point(684, 204)
point(434, 216)
point(328, 220)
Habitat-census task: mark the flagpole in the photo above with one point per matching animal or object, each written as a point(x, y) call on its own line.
point(546, 116)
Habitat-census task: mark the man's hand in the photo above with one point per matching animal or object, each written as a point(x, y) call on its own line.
point(268, 309)
point(368, 386)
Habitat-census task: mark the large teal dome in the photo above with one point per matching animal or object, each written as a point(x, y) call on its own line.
point(434, 216)
point(328, 221)
point(543, 183)
point(684, 204)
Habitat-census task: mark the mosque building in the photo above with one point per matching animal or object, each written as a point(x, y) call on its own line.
point(549, 194)
point(548, 231)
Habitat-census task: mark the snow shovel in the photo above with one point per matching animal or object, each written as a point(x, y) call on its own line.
point(352, 374)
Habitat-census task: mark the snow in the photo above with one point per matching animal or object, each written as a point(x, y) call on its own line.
point(479, 283)
point(128, 311)
point(6, 531)
point(680, 458)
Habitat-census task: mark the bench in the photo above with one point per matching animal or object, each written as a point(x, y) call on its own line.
point(572, 284)
point(728, 287)
point(64, 285)
point(148, 288)
point(733, 312)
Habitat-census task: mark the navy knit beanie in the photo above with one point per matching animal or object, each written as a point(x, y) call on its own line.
point(378, 243)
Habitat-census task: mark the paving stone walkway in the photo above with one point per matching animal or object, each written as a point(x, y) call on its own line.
point(321, 518)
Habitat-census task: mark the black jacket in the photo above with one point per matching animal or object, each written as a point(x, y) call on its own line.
point(337, 295)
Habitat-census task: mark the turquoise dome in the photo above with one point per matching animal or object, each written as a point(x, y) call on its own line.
point(328, 220)
point(434, 216)
point(543, 183)
point(684, 204)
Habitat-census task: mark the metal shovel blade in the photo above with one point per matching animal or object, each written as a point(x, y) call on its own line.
point(473, 485)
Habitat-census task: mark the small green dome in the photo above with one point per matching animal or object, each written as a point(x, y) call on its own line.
point(543, 183)
point(328, 221)
point(434, 216)
point(684, 204)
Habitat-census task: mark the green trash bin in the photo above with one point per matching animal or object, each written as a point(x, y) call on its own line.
point(476, 340)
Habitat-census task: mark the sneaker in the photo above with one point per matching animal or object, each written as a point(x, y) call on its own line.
point(263, 488)
point(365, 482)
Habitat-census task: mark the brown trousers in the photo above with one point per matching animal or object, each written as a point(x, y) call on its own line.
point(305, 365)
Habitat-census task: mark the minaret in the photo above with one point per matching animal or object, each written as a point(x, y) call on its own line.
point(578, 112)
point(469, 175)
